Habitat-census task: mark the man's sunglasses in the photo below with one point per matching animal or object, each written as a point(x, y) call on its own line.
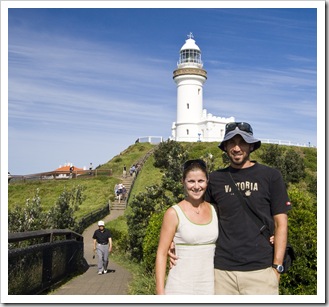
point(242, 126)
point(199, 162)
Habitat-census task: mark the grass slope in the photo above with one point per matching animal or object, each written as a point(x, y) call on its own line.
point(99, 190)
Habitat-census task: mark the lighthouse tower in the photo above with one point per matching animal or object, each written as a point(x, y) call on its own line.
point(189, 77)
point(193, 123)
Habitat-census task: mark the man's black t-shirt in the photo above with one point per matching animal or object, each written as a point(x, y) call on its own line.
point(102, 237)
point(240, 245)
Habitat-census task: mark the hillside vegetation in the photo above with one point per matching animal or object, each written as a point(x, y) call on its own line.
point(97, 191)
point(158, 186)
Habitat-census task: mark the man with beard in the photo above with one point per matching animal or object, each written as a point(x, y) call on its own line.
point(245, 262)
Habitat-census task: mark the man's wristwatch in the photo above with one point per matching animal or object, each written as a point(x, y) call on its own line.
point(278, 267)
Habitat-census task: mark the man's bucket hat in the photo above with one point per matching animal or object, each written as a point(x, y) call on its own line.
point(101, 223)
point(243, 129)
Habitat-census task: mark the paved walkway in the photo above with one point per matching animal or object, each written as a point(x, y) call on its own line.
point(90, 283)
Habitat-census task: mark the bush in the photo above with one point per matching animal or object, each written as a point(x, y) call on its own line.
point(151, 241)
point(288, 161)
point(141, 209)
point(302, 276)
point(29, 217)
point(60, 216)
point(119, 232)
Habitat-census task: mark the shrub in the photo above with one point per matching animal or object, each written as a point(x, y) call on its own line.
point(29, 217)
point(119, 232)
point(302, 276)
point(141, 209)
point(151, 241)
point(61, 216)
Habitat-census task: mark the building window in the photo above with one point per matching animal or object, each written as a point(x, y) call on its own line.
point(188, 105)
point(187, 132)
point(199, 91)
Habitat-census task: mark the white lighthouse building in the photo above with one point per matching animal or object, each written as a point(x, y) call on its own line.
point(193, 123)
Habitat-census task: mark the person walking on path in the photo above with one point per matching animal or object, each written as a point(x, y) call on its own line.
point(193, 226)
point(89, 283)
point(103, 246)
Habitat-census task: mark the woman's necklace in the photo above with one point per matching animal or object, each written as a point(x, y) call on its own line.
point(197, 211)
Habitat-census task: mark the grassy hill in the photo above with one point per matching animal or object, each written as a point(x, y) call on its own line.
point(100, 189)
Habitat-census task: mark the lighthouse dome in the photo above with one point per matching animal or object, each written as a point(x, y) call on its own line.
point(190, 44)
point(190, 54)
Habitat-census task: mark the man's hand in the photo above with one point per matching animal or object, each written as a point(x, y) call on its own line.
point(172, 255)
point(278, 275)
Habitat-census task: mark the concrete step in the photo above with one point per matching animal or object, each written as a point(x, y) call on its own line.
point(118, 206)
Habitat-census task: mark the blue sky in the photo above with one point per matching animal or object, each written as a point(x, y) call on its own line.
point(84, 84)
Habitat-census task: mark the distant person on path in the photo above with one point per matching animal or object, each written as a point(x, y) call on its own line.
point(90, 168)
point(103, 246)
point(193, 226)
point(71, 171)
point(124, 172)
point(245, 262)
point(124, 193)
point(132, 170)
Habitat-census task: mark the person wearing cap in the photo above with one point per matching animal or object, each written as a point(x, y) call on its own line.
point(103, 246)
point(245, 262)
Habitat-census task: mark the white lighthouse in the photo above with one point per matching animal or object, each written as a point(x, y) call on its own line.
point(193, 123)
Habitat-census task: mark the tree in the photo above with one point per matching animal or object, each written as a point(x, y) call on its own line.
point(170, 157)
point(294, 169)
point(61, 216)
point(288, 162)
point(29, 217)
point(272, 155)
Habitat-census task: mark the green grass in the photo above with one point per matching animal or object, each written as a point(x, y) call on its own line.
point(98, 190)
point(128, 157)
point(149, 175)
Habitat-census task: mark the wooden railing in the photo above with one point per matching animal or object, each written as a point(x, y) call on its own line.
point(39, 259)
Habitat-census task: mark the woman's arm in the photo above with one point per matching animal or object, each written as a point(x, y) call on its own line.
point(168, 229)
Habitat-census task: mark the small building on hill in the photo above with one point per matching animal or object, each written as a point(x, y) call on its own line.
point(68, 170)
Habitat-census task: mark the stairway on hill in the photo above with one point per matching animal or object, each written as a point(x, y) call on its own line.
point(127, 182)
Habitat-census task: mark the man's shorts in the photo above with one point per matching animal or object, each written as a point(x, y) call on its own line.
point(259, 282)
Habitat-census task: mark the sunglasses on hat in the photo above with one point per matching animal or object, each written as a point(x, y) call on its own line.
point(242, 126)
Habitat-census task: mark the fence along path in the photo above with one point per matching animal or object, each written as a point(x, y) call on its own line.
point(117, 279)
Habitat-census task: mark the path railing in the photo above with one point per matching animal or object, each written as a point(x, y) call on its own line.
point(39, 259)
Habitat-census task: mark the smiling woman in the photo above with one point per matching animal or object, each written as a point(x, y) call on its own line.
point(193, 227)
